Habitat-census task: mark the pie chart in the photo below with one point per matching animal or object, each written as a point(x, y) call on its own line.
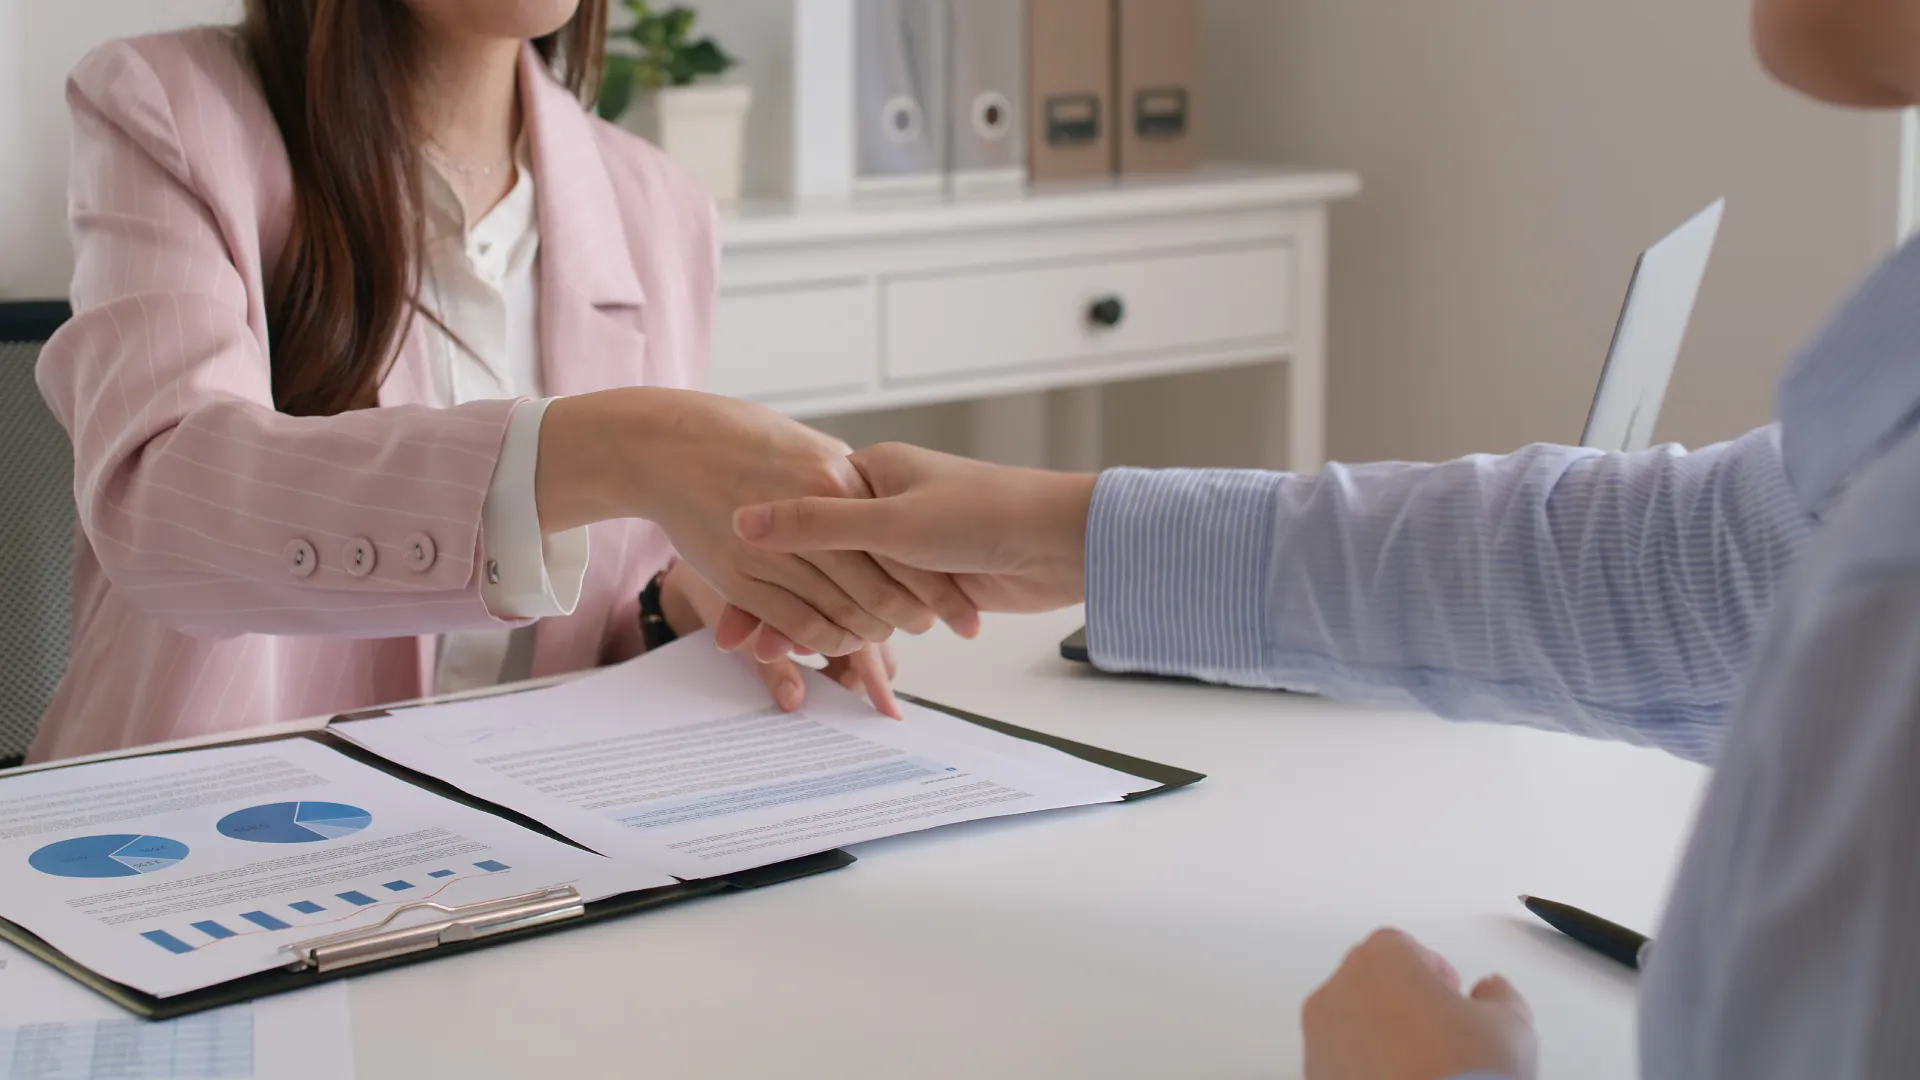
point(119, 855)
point(294, 822)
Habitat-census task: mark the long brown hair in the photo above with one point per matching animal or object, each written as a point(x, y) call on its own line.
point(339, 76)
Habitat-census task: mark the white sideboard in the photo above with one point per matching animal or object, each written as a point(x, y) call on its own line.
point(853, 307)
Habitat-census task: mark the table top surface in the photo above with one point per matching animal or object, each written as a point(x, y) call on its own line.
point(1176, 936)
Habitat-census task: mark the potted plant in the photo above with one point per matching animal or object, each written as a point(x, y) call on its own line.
point(651, 83)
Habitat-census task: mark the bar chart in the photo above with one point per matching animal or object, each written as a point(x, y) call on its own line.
point(203, 932)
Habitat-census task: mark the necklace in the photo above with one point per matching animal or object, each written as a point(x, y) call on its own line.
point(466, 170)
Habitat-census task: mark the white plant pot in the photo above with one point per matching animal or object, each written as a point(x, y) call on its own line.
point(703, 128)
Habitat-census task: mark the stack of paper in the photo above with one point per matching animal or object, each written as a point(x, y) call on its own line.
point(175, 872)
point(680, 761)
point(180, 871)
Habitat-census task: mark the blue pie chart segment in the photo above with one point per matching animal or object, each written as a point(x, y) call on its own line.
point(118, 855)
point(294, 822)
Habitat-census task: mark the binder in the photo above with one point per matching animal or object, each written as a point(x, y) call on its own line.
point(1069, 88)
point(497, 922)
point(823, 95)
point(900, 83)
point(1157, 76)
point(986, 124)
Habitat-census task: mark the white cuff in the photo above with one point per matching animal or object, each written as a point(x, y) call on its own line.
point(528, 575)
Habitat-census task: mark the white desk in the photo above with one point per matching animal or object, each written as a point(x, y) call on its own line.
point(1171, 938)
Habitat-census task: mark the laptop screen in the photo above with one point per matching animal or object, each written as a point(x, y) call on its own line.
point(1646, 342)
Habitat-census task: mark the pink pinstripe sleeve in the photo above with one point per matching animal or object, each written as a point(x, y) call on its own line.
point(191, 487)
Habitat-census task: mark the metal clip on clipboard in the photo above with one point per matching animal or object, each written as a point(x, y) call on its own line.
point(463, 923)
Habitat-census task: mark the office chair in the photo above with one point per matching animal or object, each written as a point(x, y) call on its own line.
point(36, 529)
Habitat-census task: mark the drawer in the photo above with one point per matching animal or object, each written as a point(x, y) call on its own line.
point(791, 342)
point(987, 320)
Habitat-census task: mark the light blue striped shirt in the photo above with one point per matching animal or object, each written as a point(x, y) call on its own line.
point(1630, 597)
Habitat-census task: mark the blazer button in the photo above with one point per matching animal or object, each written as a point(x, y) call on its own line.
point(419, 552)
point(301, 560)
point(359, 556)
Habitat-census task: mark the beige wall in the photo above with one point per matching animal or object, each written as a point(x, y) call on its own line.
point(1517, 154)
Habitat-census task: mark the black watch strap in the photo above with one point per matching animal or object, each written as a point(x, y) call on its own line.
point(654, 631)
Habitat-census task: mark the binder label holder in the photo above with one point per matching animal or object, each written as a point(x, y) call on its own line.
point(1072, 120)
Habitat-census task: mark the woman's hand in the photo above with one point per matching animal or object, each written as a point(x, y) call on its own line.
point(690, 604)
point(686, 461)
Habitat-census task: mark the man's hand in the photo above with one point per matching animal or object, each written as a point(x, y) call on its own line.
point(1394, 1011)
point(1013, 539)
point(687, 461)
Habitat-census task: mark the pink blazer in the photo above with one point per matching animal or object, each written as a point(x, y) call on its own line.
point(196, 608)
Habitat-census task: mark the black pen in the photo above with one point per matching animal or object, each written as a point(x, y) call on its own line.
point(1611, 940)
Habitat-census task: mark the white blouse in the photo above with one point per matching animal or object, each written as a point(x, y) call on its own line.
point(479, 281)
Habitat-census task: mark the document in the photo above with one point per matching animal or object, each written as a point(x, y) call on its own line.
point(52, 1028)
point(678, 759)
point(175, 872)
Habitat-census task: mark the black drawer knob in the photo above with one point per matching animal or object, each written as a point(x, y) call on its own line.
point(1107, 311)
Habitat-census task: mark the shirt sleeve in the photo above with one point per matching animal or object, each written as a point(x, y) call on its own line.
point(1790, 948)
point(528, 574)
point(1616, 595)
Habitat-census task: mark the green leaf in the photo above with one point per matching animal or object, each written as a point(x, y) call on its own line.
point(616, 87)
point(651, 34)
point(702, 59)
point(664, 57)
point(678, 23)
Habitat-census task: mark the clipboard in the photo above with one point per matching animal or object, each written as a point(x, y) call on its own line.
point(486, 924)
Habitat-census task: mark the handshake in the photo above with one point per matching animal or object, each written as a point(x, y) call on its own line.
point(801, 546)
point(963, 536)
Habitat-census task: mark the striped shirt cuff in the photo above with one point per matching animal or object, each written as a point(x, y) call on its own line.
point(1177, 565)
